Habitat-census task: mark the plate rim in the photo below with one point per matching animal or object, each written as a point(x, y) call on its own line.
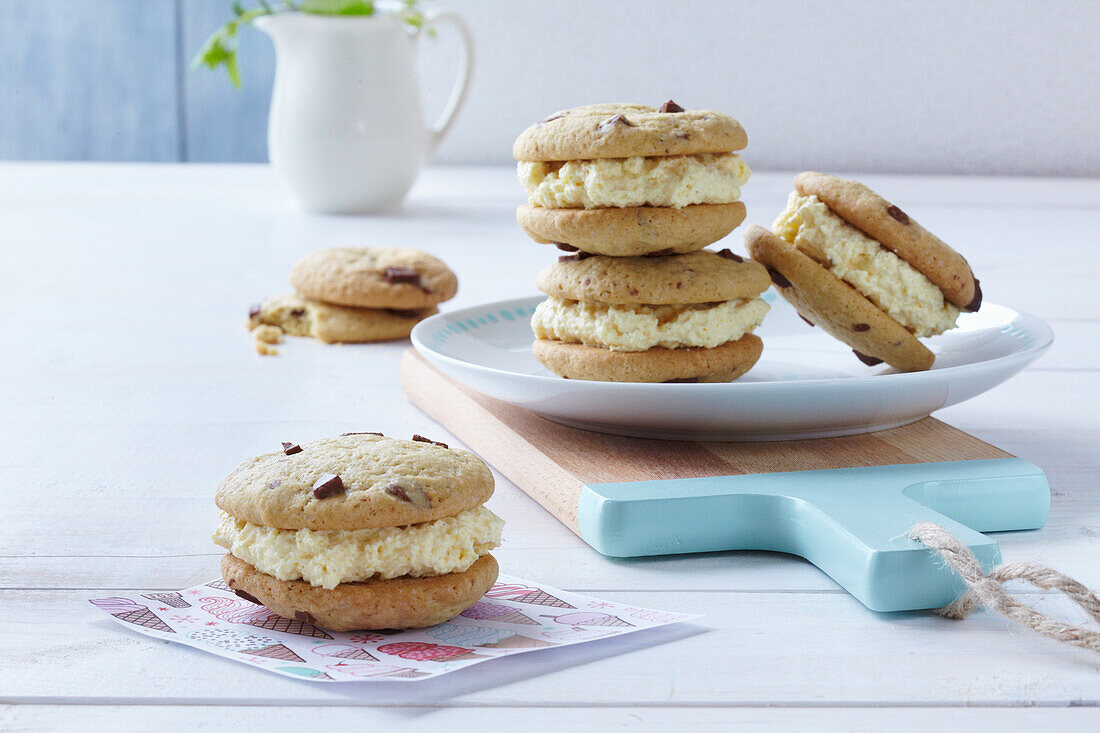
point(1040, 330)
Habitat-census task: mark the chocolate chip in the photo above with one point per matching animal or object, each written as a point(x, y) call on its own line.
point(684, 135)
point(396, 275)
point(729, 255)
point(254, 311)
point(291, 448)
point(682, 380)
point(248, 597)
point(551, 118)
point(575, 257)
point(396, 491)
point(565, 247)
point(610, 122)
point(807, 320)
point(976, 302)
point(305, 617)
point(422, 439)
point(778, 279)
point(897, 214)
point(634, 291)
point(861, 327)
point(868, 360)
point(364, 433)
point(330, 484)
point(670, 106)
point(413, 495)
point(297, 312)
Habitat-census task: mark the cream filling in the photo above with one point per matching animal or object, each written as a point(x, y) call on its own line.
point(638, 327)
point(677, 181)
point(327, 557)
point(885, 279)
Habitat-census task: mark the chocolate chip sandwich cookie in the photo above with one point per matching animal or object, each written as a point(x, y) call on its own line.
point(650, 319)
point(360, 531)
point(355, 294)
point(628, 179)
point(864, 271)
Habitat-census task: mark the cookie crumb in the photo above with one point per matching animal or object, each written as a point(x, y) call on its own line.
point(263, 336)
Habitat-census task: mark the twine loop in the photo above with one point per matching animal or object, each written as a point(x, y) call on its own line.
point(987, 589)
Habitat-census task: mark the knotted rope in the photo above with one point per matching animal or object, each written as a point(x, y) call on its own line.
point(987, 589)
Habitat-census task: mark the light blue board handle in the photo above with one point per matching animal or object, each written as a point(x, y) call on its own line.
point(852, 523)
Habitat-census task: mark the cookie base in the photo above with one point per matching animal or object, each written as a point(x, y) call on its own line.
point(298, 315)
point(836, 307)
point(721, 364)
point(635, 230)
point(399, 603)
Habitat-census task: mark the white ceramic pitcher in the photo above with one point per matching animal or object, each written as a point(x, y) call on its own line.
point(346, 131)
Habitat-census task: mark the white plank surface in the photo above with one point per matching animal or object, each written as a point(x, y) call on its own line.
point(130, 389)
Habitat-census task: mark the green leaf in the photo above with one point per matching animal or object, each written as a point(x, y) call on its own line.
point(220, 48)
point(337, 7)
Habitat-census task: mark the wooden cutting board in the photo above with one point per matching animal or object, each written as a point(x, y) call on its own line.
point(844, 503)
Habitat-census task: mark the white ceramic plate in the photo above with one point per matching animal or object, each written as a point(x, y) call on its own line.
point(806, 384)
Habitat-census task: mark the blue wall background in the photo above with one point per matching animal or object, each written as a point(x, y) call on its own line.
point(110, 80)
point(928, 86)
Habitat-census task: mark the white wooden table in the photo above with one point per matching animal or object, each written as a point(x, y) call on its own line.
point(129, 388)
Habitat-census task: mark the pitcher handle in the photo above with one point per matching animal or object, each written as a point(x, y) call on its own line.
point(462, 84)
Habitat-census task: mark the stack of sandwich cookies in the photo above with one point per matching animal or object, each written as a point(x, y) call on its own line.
point(355, 294)
point(650, 319)
point(360, 531)
point(622, 180)
point(637, 193)
point(864, 271)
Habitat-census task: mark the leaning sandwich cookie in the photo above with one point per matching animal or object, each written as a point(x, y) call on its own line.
point(360, 531)
point(650, 319)
point(864, 271)
point(626, 179)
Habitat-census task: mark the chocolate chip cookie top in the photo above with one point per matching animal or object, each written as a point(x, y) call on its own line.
point(355, 481)
point(696, 277)
point(625, 130)
point(383, 277)
point(894, 229)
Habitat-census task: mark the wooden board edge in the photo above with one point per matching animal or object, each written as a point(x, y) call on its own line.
point(494, 440)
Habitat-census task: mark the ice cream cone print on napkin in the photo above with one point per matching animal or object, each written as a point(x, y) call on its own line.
point(525, 594)
point(589, 618)
point(171, 598)
point(503, 614)
point(516, 616)
point(344, 651)
point(485, 637)
point(125, 609)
